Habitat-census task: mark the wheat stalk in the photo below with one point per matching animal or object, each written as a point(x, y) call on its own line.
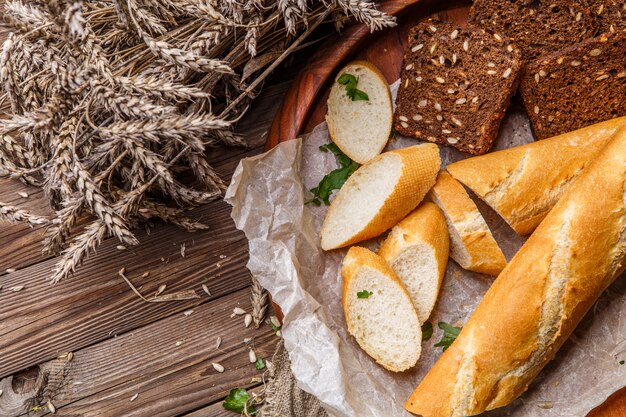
point(259, 302)
point(16, 215)
point(112, 104)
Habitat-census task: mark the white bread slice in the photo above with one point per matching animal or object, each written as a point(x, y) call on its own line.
point(532, 308)
point(417, 250)
point(380, 194)
point(360, 128)
point(523, 183)
point(385, 324)
point(472, 245)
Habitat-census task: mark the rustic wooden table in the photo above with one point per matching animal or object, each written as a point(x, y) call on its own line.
point(121, 345)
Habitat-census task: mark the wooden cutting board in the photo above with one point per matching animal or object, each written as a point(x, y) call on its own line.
point(304, 105)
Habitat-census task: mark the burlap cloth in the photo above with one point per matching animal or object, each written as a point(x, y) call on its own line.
point(283, 398)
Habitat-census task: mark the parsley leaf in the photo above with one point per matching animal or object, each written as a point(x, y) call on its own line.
point(237, 401)
point(427, 331)
point(335, 179)
point(621, 362)
point(274, 327)
point(350, 81)
point(259, 364)
point(363, 294)
point(449, 335)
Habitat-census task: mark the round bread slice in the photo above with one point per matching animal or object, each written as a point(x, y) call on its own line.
point(379, 311)
point(379, 194)
point(417, 250)
point(360, 128)
point(472, 245)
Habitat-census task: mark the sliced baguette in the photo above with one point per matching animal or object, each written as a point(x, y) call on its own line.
point(380, 194)
point(360, 128)
point(523, 183)
point(385, 324)
point(417, 250)
point(534, 305)
point(472, 245)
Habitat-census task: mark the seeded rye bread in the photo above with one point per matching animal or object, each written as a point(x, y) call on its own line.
point(456, 85)
point(578, 86)
point(610, 15)
point(537, 27)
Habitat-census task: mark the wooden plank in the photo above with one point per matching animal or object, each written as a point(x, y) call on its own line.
point(213, 410)
point(166, 363)
point(42, 320)
point(21, 245)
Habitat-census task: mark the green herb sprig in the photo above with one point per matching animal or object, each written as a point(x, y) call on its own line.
point(450, 334)
point(259, 364)
point(350, 82)
point(364, 294)
point(427, 331)
point(335, 179)
point(238, 401)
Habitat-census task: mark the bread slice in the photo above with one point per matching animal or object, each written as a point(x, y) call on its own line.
point(537, 27)
point(472, 245)
point(360, 128)
point(379, 194)
point(417, 250)
point(385, 324)
point(456, 85)
point(610, 15)
point(532, 308)
point(576, 87)
point(523, 183)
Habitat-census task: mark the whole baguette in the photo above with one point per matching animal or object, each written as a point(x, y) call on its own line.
point(472, 245)
point(523, 183)
point(539, 298)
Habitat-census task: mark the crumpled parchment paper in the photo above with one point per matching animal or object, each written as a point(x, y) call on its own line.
point(267, 194)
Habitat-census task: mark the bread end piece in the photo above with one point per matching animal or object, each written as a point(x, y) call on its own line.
point(360, 128)
point(417, 249)
point(379, 311)
point(472, 245)
point(380, 194)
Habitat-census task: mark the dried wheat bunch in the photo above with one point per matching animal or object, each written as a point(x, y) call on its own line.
point(112, 104)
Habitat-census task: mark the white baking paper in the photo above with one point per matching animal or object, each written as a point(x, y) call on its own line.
point(267, 194)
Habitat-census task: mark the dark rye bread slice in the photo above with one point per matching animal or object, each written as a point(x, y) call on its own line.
point(456, 85)
point(576, 87)
point(610, 15)
point(537, 27)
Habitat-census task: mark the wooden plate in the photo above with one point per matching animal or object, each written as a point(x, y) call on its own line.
point(304, 105)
